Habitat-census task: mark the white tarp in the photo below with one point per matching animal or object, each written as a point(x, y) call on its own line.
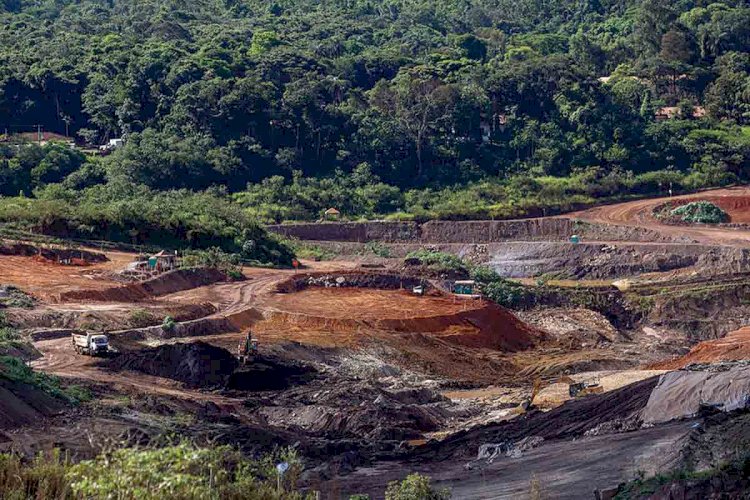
point(681, 393)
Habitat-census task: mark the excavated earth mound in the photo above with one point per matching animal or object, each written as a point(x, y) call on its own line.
point(195, 364)
point(737, 207)
point(270, 374)
point(346, 311)
point(734, 347)
point(358, 410)
point(171, 282)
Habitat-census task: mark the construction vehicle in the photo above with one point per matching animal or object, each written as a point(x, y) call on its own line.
point(247, 349)
point(575, 390)
point(91, 344)
point(580, 389)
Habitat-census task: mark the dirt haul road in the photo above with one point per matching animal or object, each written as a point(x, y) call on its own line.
point(59, 358)
point(735, 201)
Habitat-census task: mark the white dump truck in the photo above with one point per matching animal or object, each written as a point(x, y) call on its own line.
point(91, 344)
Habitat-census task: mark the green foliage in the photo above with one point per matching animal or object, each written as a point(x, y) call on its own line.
point(168, 324)
point(140, 318)
point(16, 370)
point(9, 337)
point(439, 261)
point(179, 471)
point(703, 212)
point(415, 487)
point(309, 251)
point(244, 112)
point(138, 215)
point(11, 296)
point(213, 258)
point(378, 249)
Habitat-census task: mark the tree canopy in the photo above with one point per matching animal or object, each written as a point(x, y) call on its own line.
point(240, 95)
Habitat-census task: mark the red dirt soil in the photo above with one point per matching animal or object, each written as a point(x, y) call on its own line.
point(165, 284)
point(471, 323)
point(45, 279)
point(734, 347)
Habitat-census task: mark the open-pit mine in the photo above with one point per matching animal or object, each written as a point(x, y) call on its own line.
point(626, 355)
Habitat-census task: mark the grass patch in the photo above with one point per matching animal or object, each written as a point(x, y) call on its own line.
point(16, 370)
point(439, 261)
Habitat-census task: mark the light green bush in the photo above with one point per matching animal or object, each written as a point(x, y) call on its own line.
point(703, 212)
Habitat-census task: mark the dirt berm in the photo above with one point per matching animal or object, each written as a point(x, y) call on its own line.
point(195, 364)
point(54, 254)
point(171, 282)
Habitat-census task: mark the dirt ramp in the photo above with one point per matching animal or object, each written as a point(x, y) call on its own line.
point(171, 282)
point(196, 364)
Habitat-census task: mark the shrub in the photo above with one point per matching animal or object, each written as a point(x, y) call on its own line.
point(169, 324)
point(439, 261)
point(506, 293)
point(9, 337)
point(140, 318)
point(703, 212)
point(13, 297)
point(415, 487)
point(215, 258)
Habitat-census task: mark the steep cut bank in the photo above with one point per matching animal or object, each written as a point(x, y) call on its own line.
point(548, 229)
point(170, 282)
point(734, 347)
point(23, 404)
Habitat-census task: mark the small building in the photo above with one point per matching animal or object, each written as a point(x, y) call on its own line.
point(331, 213)
point(465, 288)
point(163, 261)
point(672, 112)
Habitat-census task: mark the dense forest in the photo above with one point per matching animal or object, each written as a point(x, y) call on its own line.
point(402, 108)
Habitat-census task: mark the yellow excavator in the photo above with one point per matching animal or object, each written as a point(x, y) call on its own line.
point(575, 389)
point(247, 349)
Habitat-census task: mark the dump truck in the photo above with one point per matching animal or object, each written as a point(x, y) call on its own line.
point(247, 349)
point(91, 344)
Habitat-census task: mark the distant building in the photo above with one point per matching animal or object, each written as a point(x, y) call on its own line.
point(672, 112)
point(163, 261)
point(111, 145)
point(332, 213)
